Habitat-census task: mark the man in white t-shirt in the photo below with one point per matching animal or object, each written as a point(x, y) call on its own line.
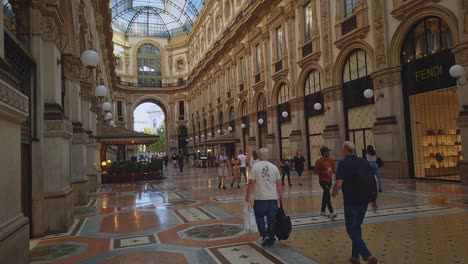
point(243, 164)
point(265, 181)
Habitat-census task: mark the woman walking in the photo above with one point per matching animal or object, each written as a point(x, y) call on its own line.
point(235, 169)
point(254, 159)
point(371, 156)
point(285, 169)
point(299, 164)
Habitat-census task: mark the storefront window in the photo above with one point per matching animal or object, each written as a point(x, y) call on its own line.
point(429, 36)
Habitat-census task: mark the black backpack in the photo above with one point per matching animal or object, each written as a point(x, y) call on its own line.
point(364, 183)
point(283, 225)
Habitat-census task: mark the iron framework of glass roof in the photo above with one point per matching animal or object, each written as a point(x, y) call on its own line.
point(154, 18)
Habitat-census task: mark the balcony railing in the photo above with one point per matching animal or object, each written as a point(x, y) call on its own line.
point(156, 84)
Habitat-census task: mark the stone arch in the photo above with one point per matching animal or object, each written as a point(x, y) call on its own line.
point(411, 19)
point(275, 90)
point(161, 50)
point(344, 55)
point(152, 99)
point(303, 77)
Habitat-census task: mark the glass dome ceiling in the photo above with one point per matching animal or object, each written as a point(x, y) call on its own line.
point(155, 18)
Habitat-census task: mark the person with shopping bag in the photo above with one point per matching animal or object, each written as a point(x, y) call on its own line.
point(265, 181)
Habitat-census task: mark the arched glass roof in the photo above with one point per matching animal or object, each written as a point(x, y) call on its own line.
point(162, 18)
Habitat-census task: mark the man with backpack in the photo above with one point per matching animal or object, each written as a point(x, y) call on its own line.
point(265, 181)
point(355, 176)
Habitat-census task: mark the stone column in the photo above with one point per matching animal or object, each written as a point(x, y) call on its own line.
point(461, 57)
point(272, 135)
point(79, 175)
point(56, 209)
point(14, 227)
point(253, 132)
point(297, 136)
point(389, 125)
point(334, 133)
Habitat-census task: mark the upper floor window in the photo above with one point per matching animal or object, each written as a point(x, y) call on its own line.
point(228, 79)
point(312, 83)
point(241, 70)
point(218, 87)
point(356, 66)
point(429, 36)
point(148, 65)
point(257, 58)
point(349, 7)
point(307, 21)
point(279, 42)
point(283, 94)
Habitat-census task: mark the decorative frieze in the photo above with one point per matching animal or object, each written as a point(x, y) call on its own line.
point(379, 33)
point(13, 98)
point(58, 128)
point(332, 94)
point(388, 77)
point(327, 59)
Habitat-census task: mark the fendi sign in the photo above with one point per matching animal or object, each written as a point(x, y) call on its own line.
point(428, 73)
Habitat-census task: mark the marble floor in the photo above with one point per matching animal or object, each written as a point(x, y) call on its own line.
point(187, 219)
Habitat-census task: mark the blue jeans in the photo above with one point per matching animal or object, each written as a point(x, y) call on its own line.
point(268, 208)
point(375, 167)
point(354, 216)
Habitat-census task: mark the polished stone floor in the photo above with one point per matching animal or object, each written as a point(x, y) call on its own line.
point(187, 219)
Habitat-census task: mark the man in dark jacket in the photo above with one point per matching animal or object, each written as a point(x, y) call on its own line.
point(354, 209)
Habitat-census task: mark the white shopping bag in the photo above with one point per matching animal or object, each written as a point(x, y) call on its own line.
point(250, 225)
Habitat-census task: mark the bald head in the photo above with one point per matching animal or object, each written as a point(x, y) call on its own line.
point(349, 148)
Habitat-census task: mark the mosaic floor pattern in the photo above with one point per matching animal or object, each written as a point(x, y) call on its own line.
point(187, 219)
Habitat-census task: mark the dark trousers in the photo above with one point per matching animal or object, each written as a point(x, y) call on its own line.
point(268, 208)
point(181, 166)
point(243, 170)
point(354, 216)
point(326, 201)
point(299, 172)
point(286, 172)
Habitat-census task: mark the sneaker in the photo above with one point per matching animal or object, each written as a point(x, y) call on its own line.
point(372, 260)
point(238, 186)
point(271, 243)
point(232, 184)
point(224, 187)
point(323, 214)
point(265, 241)
point(354, 260)
point(290, 184)
point(219, 185)
point(333, 216)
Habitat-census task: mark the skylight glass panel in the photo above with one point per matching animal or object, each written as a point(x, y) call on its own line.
point(154, 17)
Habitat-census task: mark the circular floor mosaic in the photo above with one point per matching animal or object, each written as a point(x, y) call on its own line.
point(217, 231)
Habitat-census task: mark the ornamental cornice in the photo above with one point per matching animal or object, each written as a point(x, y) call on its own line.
point(58, 128)
point(333, 93)
point(403, 8)
point(387, 77)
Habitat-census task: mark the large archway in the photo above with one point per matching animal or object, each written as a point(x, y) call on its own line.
point(150, 118)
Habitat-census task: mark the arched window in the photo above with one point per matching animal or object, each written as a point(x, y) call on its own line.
point(148, 65)
point(356, 66)
point(283, 94)
point(231, 114)
point(429, 36)
point(244, 109)
point(312, 84)
point(261, 102)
